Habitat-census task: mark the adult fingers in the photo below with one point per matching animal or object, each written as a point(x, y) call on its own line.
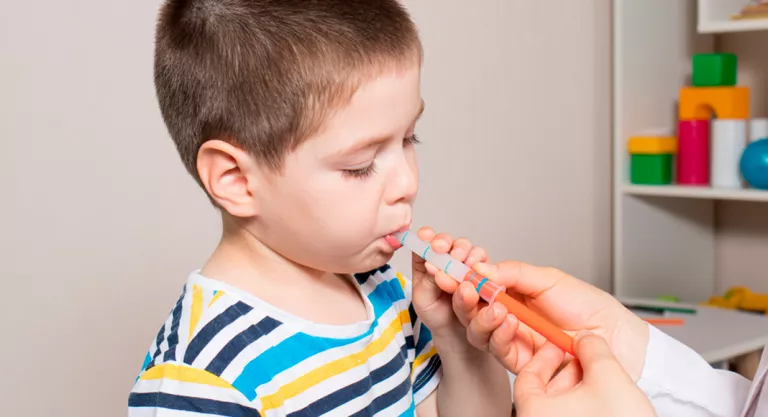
point(533, 378)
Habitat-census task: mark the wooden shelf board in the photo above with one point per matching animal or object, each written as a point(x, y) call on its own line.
point(697, 192)
point(728, 26)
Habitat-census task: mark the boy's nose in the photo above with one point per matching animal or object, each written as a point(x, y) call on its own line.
point(404, 184)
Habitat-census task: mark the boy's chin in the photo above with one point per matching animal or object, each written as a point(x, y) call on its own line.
point(374, 257)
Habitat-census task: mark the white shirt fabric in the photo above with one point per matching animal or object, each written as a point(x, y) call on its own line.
point(680, 383)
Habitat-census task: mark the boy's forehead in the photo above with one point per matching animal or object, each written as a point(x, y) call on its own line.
point(384, 106)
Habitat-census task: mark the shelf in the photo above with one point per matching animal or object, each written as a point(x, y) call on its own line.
point(729, 26)
point(715, 16)
point(706, 193)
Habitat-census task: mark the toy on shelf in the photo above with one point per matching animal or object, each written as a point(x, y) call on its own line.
point(693, 152)
point(755, 9)
point(651, 159)
point(714, 99)
point(754, 164)
point(729, 136)
point(713, 131)
point(740, 298)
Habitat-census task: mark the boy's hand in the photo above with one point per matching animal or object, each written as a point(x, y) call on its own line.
point(571, 304)
point(605, 390)
point(435, 297)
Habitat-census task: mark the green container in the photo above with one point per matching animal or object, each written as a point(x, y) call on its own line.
point(651, 169)
point(714, 70)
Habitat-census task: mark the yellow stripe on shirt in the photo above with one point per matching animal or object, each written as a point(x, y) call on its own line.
point(401, 280)
point(421, 359)
point(216, 297)
point(197, 310)
point(318, 375)
point(184, 374)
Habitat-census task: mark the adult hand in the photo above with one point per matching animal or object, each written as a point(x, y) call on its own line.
point(606, 390)
point(571, 304)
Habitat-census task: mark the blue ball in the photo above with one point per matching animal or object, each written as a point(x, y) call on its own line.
point(754, 164)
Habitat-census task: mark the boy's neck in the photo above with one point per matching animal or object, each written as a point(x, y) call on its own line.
point(242, 261)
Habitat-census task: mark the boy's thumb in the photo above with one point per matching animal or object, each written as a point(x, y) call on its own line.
point(596, 358)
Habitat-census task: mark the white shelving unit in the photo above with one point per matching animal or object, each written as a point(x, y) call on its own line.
point(664, 236)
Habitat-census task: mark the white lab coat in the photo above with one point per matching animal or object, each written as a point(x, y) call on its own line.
point(680, 383)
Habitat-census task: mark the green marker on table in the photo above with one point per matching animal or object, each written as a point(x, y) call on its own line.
point(659, 309)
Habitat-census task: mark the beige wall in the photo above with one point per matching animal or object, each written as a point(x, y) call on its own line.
point(518, 125)
point(100, 224)
point(742, 227)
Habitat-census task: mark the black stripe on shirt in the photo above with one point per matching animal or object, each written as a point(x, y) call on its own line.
point(429, 371)
point(161, 334)
point(212, 328)
point(240, 342)
point(362, 277)
point(387, 399)
point(355, 389)
point(167, 401)
point(173, 336)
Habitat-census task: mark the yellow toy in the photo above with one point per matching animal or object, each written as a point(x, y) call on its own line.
point(740, 298)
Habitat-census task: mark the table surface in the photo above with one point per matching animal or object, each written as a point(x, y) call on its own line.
point(717, 334)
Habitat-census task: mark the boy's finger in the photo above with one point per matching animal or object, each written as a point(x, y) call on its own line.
point(445, 282)
point(487, 320)
point(418, 264)
point(477, 254)
point(465, 303)
point(426, 234)
point(501, 345)
point(534, 377)
point(461, 249)
point(430, 268)
point(442, 243)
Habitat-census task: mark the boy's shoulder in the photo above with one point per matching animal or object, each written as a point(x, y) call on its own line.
point(219, 338)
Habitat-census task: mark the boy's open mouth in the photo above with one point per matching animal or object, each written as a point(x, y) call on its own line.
point(392, 240)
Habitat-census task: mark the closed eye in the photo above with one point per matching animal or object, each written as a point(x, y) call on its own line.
point(363, 172)
point(411, 140)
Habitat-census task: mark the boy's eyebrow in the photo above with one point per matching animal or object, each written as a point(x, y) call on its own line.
point(376, 140)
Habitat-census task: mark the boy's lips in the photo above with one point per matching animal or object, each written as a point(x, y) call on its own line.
point(392, 240)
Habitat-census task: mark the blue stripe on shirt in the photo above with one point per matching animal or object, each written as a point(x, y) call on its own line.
point(301, 346)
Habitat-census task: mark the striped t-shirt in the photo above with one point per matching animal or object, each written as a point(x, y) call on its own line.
point(224, 352)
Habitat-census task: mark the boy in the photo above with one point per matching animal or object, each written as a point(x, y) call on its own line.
point(297, 118)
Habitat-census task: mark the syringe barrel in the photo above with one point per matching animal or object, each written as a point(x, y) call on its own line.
point(488, 290)
point(453, 267)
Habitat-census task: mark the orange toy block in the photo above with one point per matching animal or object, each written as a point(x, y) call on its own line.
point(698, 103)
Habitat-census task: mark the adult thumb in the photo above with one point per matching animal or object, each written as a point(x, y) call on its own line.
point(598, 362)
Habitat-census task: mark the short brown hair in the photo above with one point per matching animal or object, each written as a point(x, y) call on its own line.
point(264, 74)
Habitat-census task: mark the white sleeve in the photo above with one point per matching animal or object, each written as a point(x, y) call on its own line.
point(680, 383)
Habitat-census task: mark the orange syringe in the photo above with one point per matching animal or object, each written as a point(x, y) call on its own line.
point(488, 290)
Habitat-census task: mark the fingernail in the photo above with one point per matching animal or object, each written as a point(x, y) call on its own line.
point(466, 291)
point(490, 312)
point(470, 261)
point(494, 311)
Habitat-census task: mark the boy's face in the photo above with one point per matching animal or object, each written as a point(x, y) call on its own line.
point(343, 190)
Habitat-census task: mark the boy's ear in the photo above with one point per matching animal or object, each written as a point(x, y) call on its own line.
point(228, 175)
